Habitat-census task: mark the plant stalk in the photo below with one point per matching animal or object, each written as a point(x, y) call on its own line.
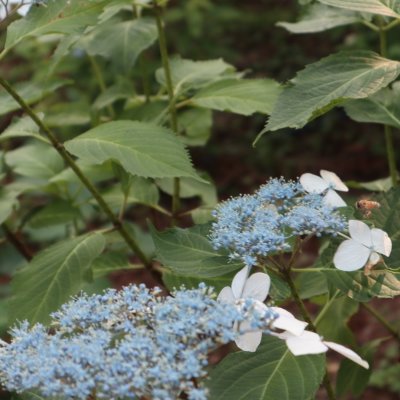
point(16, 242)
point(391, 158)
point(172, 109)
point(100, 81)
point(71, 163)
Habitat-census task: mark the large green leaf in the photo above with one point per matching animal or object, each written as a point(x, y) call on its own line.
point(381, 108)
point(328, 83)
point(129, 39)
point(389, 8)
point(36, 160)
point(243, 97)
point(188, 252)
point(195, 74)
point(143, 149)
point(320, 18)
point(271, 373)
point(56, 16)
point(361, 287)
point(387, 217)
point(31, 92)
point(53, 276)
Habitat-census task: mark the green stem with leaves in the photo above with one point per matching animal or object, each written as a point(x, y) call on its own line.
point(391, 158)
point(172, 109)
point(89, 186)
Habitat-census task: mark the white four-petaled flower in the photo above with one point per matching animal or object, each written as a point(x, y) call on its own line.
point(327, 183)
point(285, 326)
point(363, 247)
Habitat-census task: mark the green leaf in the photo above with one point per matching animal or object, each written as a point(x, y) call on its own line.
point(333, 325)
point(129, 39)
point(143, 149)
point(195, 126)
point(23, 127)
point(378, 185)
point(95, 173)
point(121, 90)
point(142, 191)
point(110, 262)
point(188, 252)
point(8, 200)
point(381, 108)
point(36, 160)
point(191, 188)
point(173, 281)
point(195, 74)
point(280, 290)
point(328, 83)
point(56, 16)
point(389, 8)
point(352, 378)
point(311, 285)
point(271, 373)
point(244, 97)
point(361, 287)
point(58, 212)
point(53, 275)
point(319, 18)
point(67, 114)
point(387, 217)
point(31, 92)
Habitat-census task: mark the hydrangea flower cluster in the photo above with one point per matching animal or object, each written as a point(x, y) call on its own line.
point(131, 343)
point(255, 226)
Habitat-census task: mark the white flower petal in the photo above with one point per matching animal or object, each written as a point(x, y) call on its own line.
point(381, 242)
point(313, 183)
point(248, 341)
point(350, 354)
point(351, 256)
point(226, 295)
point(257, 286)
point(23, 10)
point(307, 343)
point(374, 258)
point(239, 281)
point(334, 180)
point(360, 232)
point(287, 322)
point(332, 199)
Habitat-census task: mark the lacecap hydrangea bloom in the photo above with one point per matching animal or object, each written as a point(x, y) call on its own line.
point(252, 227)
point(127, 344)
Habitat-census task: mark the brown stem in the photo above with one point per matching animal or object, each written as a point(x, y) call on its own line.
point(17, 242)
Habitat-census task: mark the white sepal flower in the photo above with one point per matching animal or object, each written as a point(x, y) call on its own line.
point(364, 247)
point(327, 183)
point(256, 287)
point(311, 343)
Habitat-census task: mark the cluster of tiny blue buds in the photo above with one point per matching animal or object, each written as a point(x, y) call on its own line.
point(254, 226)
point(133, 343)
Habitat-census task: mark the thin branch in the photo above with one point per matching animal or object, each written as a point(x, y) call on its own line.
point(17, 242)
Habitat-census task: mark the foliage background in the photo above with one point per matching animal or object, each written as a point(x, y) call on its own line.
point(244, 34)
